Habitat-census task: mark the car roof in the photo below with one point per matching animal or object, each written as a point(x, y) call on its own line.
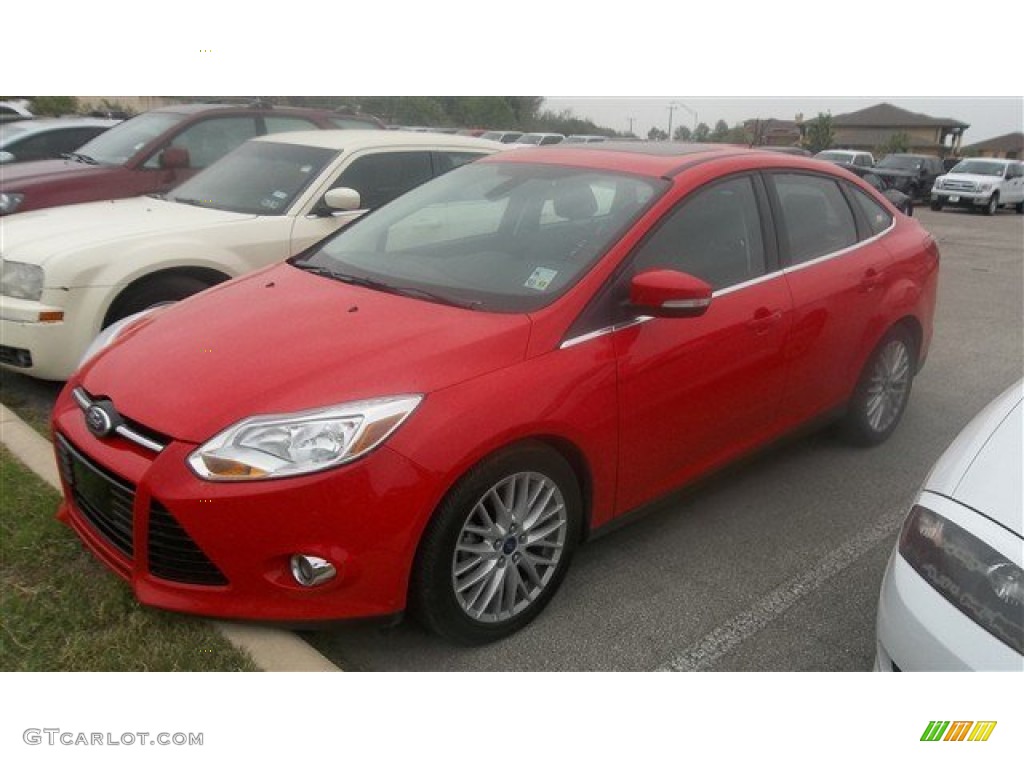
point(654, 158)
point(46, 123)
point(355, 139)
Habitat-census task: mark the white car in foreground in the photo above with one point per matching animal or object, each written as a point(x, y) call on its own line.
point(953, 594)
point(68, 272)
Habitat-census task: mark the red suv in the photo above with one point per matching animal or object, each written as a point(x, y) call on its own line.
point(155, 151)
point(432, 408)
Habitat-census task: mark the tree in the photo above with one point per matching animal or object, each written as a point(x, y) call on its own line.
point(682, 133)
point(54, 105)
point(701, 132)
point(897, 142)
point(721, 131)
point(819, 133)
point(656, 134)
point(739, 134)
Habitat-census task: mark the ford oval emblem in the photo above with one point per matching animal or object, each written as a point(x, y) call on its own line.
point(98, 421)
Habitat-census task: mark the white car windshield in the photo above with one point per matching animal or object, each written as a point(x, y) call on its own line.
point(260, 177)
point(507, 237)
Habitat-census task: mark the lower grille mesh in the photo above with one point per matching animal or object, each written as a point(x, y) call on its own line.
point(174, 556)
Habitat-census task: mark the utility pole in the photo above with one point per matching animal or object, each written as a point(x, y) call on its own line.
point(691, 111)
point(631, 119)
point(671, 108)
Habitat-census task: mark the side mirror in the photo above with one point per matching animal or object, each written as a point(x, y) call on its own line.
point(174, 157)
point(6, 157)
point(668, 293)
point(342, 199)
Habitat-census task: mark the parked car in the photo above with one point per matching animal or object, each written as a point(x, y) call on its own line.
point(798, 151)
point(70, 271)
point(846, 157)
point(432, 408)
point(505, 137)
point(539, 139)
point(15, 110)
point(952, 597)
point(582, 138)
point(913, 175)
point(154, 152)
point(47, 138)
point(903, 202)
point(981, 183)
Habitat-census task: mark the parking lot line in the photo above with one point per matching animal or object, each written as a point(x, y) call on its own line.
point(703, 654)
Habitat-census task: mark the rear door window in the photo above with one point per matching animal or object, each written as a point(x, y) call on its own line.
point(816, 217)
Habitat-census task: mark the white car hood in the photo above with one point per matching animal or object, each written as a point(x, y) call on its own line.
point(35, 237)
point(984, 467)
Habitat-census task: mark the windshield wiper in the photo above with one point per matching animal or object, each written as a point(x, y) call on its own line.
point(190, 201)
point(379, 285)
point(78, 157)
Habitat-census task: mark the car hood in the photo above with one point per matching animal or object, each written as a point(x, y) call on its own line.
point(19, 177)
point(36, 237)
point(893, 172)
point(983, 467)
point(282, 340)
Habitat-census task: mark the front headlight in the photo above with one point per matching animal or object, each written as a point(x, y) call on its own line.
point(9, 202)
point(984, 187)
point(982, 583)
point(267, 447)
point(21, 281)
point(940, 182)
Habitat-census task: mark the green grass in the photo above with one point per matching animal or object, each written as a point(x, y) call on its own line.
point(61, 610)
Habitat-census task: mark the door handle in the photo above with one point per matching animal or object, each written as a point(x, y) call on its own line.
point(763, 320)
point(871, 280)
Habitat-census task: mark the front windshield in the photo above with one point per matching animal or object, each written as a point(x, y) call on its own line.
point(529, 138)
point(507, 237)
point(492, 135)
point(835, 157)
point(901, 162)
point(979, 167)
point(260, 177)
point(122, 142)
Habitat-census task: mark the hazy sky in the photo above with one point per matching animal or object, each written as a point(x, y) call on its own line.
point(987, 117)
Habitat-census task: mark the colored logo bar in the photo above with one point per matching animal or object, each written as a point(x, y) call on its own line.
point(958, 730)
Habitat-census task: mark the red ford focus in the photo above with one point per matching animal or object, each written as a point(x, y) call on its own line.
point(434, 407)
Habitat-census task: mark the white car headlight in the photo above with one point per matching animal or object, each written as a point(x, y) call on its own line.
point(21, 281)
point(9, 202)
point(109, 334)
point(984, 187)
point(284, 445)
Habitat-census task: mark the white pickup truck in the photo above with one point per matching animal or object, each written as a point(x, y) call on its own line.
point(986, 183)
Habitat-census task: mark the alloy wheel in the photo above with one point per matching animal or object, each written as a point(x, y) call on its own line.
point(889, 386)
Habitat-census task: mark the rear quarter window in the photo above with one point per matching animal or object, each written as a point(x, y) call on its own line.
point(817, 218)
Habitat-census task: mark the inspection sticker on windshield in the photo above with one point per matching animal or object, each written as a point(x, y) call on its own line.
point(541, 278)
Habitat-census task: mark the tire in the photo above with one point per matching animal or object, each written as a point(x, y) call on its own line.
point(936, 205)
point(475, 580)
point(993, 205)
point(1019, 207)
point(908, 208)
point(150, 292)
point(883, 390)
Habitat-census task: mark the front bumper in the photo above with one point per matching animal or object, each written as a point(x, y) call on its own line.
point(365, 518)
point(963, 199)
point(918, 630)
point(47, 349)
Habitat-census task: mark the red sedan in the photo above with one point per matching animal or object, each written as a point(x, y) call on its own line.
point(434, 407)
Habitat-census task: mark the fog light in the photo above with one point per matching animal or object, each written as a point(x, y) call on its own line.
point(310, 571)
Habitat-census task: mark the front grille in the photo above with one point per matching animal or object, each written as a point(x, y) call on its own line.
point(174, 556)
point(959, 186)
point(104, 500)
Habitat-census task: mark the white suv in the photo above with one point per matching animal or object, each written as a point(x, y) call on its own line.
point(984, 182)
point(847, 157)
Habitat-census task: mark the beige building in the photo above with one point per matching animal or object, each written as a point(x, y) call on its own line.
point(1010, 146)
point(871, 128)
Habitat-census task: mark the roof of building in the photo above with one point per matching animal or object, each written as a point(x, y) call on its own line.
point(1009, 142)
point(860, 137)
point(886, 115)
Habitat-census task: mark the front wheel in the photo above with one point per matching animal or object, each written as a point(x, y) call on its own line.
point(1019, 207)
point(993, 205)
point(153, 291)
point(498, 546)
point(936, 205)
point(882, 393)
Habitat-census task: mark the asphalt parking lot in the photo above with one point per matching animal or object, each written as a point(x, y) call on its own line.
point(775, 565)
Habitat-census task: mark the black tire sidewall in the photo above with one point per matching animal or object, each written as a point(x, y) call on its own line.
point(152, 291)
point(431, 597)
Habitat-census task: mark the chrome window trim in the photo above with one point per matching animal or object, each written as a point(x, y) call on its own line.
point(83, 402)
point(603, 331)
point(841, 251)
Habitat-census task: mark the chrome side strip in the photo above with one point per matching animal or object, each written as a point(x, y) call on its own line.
point(835, 254)
point(603, 331)
point(83, 402)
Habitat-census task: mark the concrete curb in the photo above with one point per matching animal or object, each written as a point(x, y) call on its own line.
point(273, 650)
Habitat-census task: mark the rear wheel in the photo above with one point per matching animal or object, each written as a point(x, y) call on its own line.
point(498, 547)
point(936, 205)
point(1019, 207)
point(882, 393)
